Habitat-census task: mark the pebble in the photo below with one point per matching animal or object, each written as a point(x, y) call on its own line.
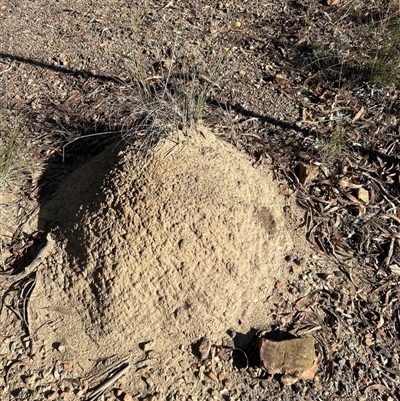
point(142, 364)
point(56, 373)
point(201, 372)
point(67, 366)
point(184, 365)
point(227, 383)
point(385, 352)
point(28, 380)
point(147, 346)
point(374, 373)
point(152, 354)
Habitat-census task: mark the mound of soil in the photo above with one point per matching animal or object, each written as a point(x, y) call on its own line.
point(185, 244)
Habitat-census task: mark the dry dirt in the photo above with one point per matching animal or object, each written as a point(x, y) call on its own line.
point(134, 281)
point(186, 244)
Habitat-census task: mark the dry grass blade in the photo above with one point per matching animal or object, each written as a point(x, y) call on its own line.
point(377, 386)
point(300, 303)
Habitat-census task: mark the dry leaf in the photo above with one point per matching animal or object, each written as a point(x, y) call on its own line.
point(358, 115)
point(368, 340)
point(381, 322)
point(363, 195)
point(304, 300)
point(377, 386)
point(348, 184)
point(306, 172)
point(395, 269)
point(279, 79)
point(204, 348)
point(213, 376)
point(333, 2)
point(285, 190)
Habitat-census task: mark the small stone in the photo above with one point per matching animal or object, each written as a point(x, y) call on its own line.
point(152, 354)
point(227, 383)
point(67, 366)
point(201, 372)
point(224, 392)
point(147, 346)
point(142, 363)
point(56, 373)
point(28, 380)
point(184, 365)
point(61, 347)
point(296, 269)
point(127, 397)
point(228, 342)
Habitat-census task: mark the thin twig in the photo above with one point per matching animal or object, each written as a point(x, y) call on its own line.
point(96, 393)
point(25, 294)
point(43, 254)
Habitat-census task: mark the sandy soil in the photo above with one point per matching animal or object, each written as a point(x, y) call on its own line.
point(150, 255)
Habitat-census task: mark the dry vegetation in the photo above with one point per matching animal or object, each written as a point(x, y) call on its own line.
point(310, 86)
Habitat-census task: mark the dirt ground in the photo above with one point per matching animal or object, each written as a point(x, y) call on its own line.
point(221, 164)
